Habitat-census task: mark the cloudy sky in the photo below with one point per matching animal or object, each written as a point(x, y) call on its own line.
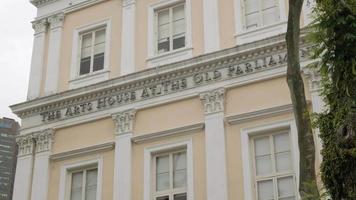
point(16, 38)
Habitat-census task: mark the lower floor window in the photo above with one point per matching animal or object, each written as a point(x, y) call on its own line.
point(170, 176)
point(274, 174)
point(84, 184)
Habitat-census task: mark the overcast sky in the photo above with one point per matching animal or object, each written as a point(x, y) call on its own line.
point(16, 37)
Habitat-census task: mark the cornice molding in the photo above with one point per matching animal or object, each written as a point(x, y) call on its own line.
point(259, 114)
point(124, 121)
point(56, 21)
point(126, 3)
point(213, 101)
point(39, 3)
point(83, 151)
point(137, 81)
point(166, 133)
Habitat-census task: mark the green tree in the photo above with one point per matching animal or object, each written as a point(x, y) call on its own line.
point(334, 35)
point(307, 185)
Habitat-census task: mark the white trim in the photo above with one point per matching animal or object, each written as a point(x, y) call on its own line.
point(91, 78)
point(154, 59)
point(242, 36)
point(40, 178)
point(147, 180)
point(128, 38)
point(246, 133)
point(82, 151)
point(161, 134)
point(249, 116)
point(23, 178)
point(211, 26)
point(66, 168)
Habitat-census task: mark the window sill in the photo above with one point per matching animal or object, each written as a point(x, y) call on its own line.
point(89, 79)
point(260, 33)
point(170, 57)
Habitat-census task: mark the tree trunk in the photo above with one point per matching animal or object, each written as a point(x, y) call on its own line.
point(307, 178)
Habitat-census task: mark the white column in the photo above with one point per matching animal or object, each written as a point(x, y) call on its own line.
point(23, 176)
point(122, 172)
point(54, 48)
point(216, 171)
point(307, 11)
point(43, 141)
point(211, 26)
point(128, 37)
point(37, 59)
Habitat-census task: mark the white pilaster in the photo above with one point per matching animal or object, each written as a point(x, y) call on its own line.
point(122, 172)
point(128, 37)
point(23, 176)
point(211, 26)
point(37, 59)
point(43, 141)
point(216, 172)
point(54, 47)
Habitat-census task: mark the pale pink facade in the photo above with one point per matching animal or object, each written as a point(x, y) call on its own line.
point(160, 100)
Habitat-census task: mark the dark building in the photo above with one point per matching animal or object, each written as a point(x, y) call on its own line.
point(8, 151)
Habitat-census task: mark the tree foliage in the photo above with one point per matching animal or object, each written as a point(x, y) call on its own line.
point(334, 33)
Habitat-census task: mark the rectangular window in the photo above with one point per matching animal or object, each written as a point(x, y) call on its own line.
point(274, 174)
point(170, 28)
point(92, 51)
point(170, 176)
point(84, 184)
point(260, 13)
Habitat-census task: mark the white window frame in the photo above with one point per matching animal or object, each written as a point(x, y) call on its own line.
point(243, 36)
point(176, 55)
point(149, 154)
point(77, 80)
point(68, 169)
point(247, 158)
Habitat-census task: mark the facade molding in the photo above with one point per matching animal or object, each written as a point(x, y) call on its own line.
point(128, 2)
point(83, 151)
point(166, 133)
point(40, 26)
point(44, 140)
point(25, 144)
point(56, 21)
point(124, 121)
point(313, 77)
point(259, 114)
point(39, 3)
point(213, 101)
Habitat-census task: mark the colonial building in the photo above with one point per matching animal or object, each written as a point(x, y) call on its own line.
point(160, 100)
point(8, 152)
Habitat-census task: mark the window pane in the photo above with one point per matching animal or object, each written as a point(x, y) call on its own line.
point(283, 162)
point(100, 36)
point(252, 20)
point(162, 198)
point(84, 66)
point(162, 173)
point(163, 17)
point(251, 6)
point(268, 4)
point(178, 12)
point(263, 165)
point(178, 27)
point(91, 184)
point(265, 190)
point(98, 62)
point(262, 146)
point(270, 16)
point(281, 142)
point(180, 196)
point(180, 161)
point(180, 172)
point(76, 186)
point(286, 187)
point(86, 40)
point(163, 46)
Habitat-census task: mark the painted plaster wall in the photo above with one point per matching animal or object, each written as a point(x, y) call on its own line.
point(227, 23)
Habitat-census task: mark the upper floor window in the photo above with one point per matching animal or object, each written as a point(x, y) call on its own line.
point(92, 51)
point(273, 167)
point(259, 13)
point(84, 184)
point(170, 28)
point(170, 176)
